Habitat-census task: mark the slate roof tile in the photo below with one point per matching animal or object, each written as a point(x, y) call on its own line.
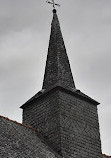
point(21, 141)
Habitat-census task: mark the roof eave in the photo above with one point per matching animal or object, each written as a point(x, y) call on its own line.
point(90, 100)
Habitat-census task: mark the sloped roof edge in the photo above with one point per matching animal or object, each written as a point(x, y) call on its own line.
point(37, 130)
point(74, 92)
point(39, 135)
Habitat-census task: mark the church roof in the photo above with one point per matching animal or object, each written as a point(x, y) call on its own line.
point(57, 69)
point(58, 73)
point(19, 140)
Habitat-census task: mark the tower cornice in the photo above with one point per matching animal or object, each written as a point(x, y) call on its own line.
point(74, 92)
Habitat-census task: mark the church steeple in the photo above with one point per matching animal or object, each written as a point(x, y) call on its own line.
point(65, 116)
point(57, 71)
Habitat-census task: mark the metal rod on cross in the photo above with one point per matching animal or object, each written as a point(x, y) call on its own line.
point(53, 3)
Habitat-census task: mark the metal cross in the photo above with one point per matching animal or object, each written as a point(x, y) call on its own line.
point(53, 3)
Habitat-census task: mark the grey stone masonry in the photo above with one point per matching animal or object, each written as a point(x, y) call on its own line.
point(69, 123)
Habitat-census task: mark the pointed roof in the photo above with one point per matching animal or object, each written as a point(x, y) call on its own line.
point(57, 71)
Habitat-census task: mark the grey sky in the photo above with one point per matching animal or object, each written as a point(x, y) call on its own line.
point(24, 37)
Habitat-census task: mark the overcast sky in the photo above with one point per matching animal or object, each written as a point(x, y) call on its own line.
point(24, 37)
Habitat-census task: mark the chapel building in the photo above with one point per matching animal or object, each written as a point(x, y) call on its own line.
point(59, 121)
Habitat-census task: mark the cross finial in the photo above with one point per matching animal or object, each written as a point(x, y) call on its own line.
point(53, 3)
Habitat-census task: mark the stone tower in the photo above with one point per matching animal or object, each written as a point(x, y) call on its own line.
point(65, 116)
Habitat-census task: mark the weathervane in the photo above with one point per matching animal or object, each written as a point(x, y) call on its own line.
point(53, 3)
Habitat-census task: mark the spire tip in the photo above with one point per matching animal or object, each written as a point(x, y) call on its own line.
point(54, 10)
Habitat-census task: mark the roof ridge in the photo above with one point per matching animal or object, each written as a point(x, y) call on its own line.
point(22, 124)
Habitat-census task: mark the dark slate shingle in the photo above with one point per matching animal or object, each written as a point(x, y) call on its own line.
point(18, 141)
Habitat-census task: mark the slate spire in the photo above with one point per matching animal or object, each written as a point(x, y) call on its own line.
point(57, 71)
